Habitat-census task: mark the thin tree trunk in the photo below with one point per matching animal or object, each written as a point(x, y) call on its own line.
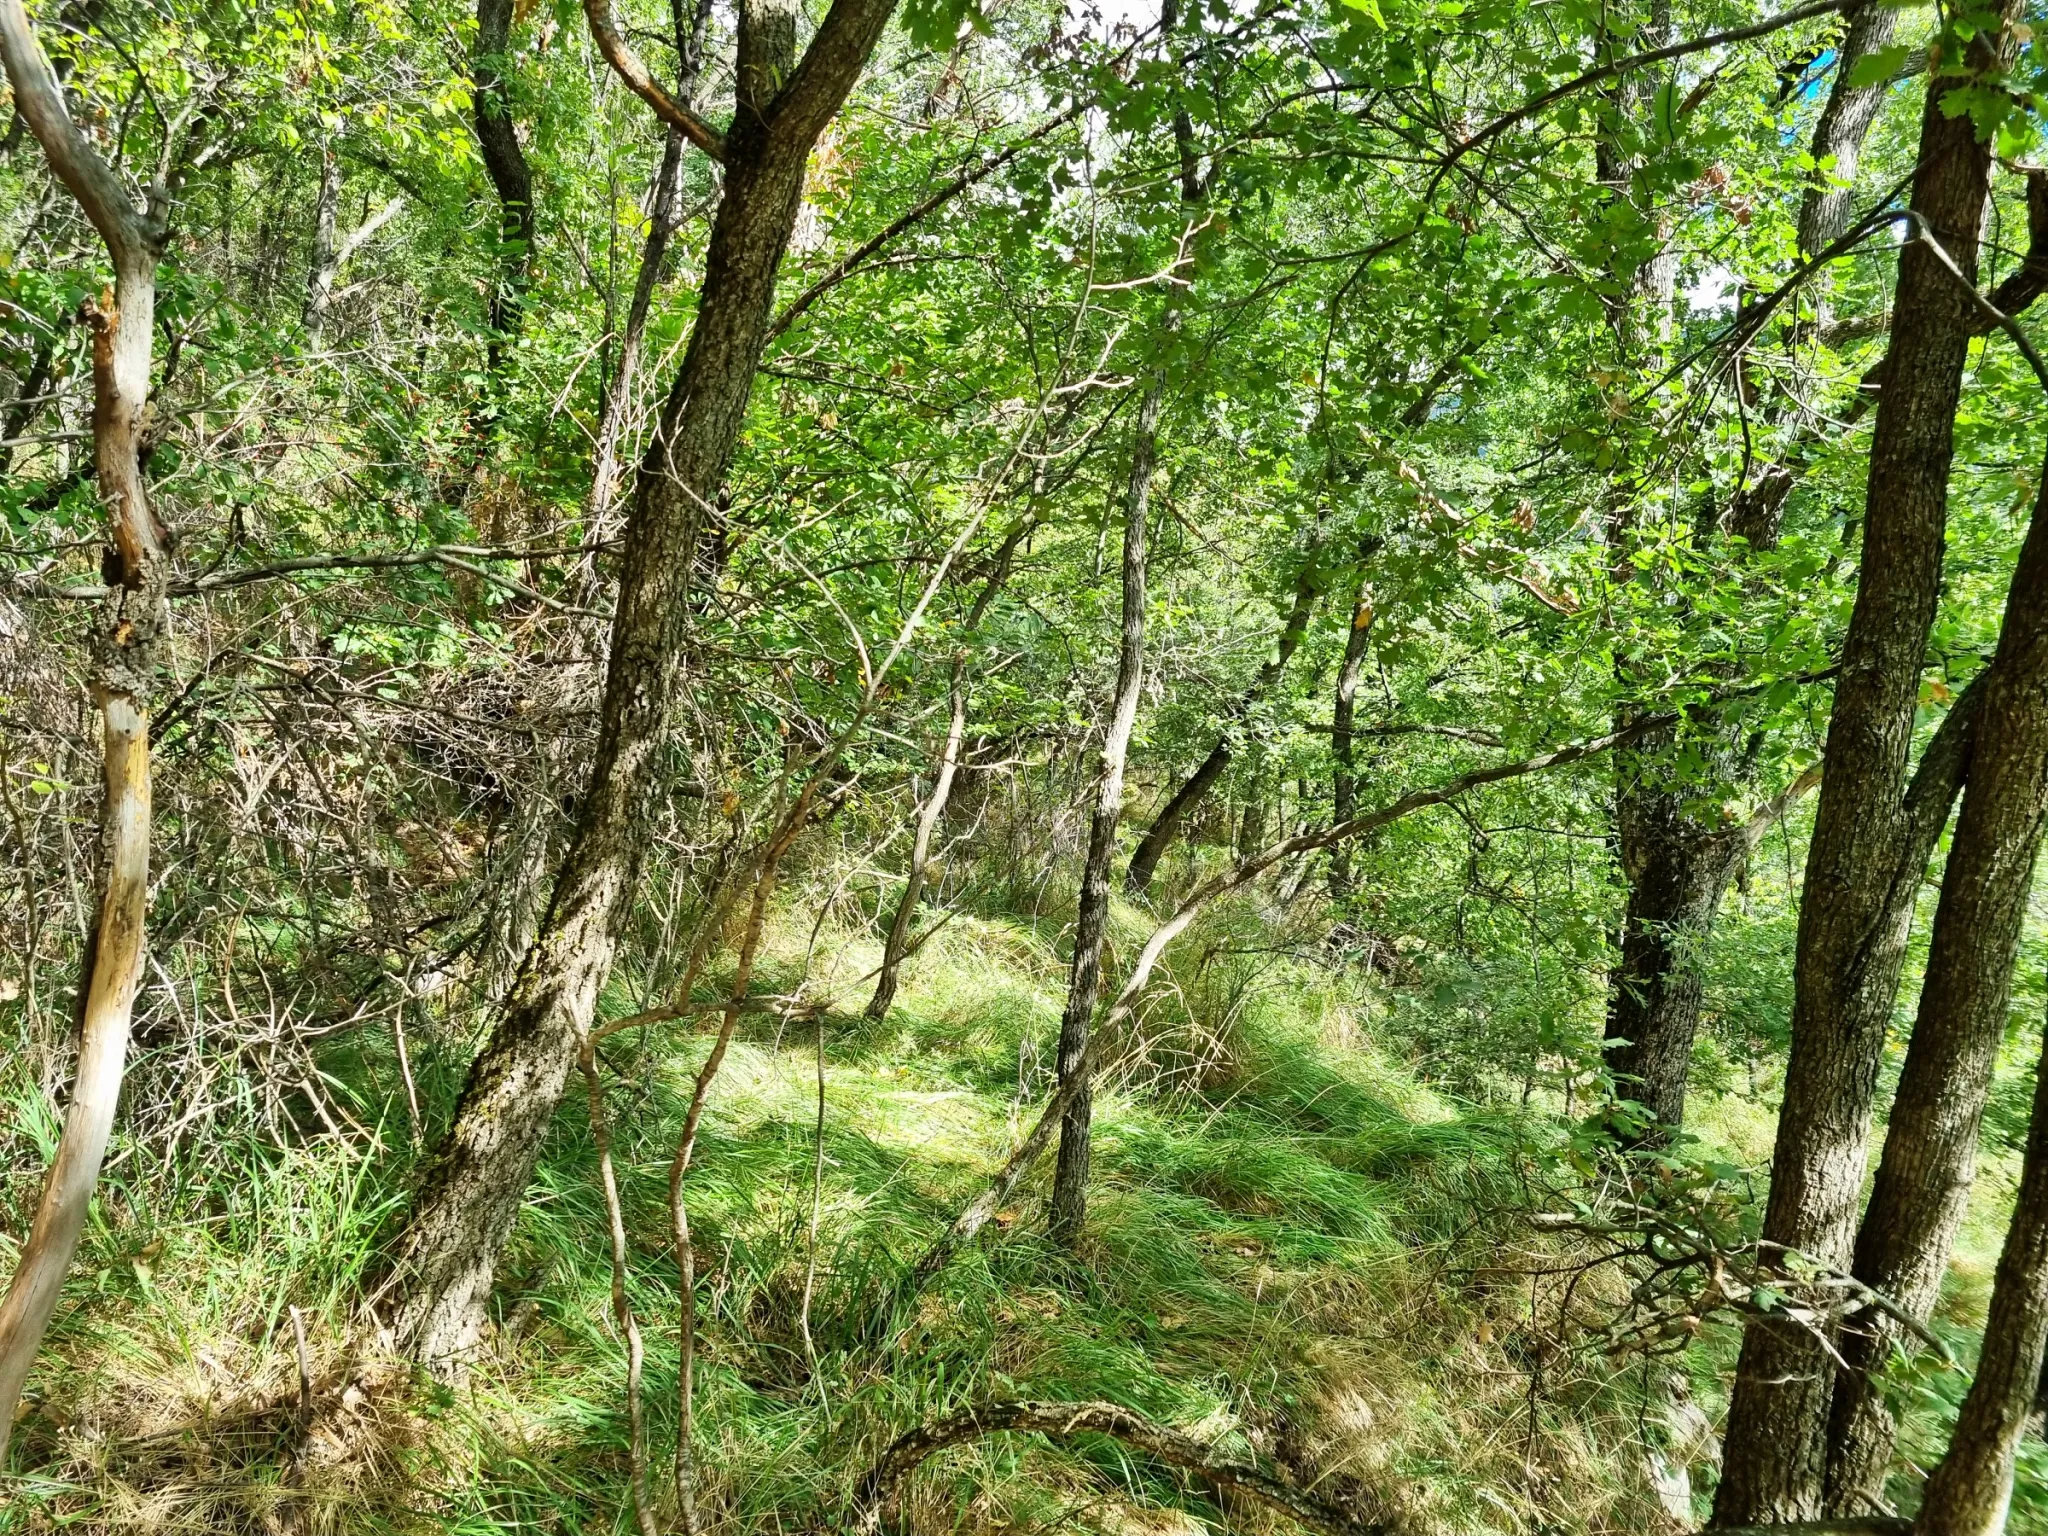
point(446, 1253)
point(1923, 1182)
point(1968, 1492)
point(320, 268)
point(897, 945)
point(1343, 715)
point(662, 221)
point(1152, 847)
point(121, 680)
point(512, 179)
point(1068, 1209)
point(1866, 856)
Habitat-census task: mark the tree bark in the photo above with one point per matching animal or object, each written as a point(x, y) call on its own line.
point(1844, 124)
point(512, 179)
point(120, 680)
point(1930, 1149)
point(1069, 1204)
point(1153, 846)
point(663, 218)
point(1343, 717)
point(1866, 855)
point(445, 1254)
point(1968, 1492)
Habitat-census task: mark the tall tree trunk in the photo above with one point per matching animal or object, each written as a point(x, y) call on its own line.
point(446, 1252)
point(1968, 1492)
point(1069, 1205)
point(897, 944)
point(663, 218)
point(1866, 855)
point(120, 680)
point(1930, 1149)
point(1343, 748)
point(512, 179)
point(1152, 847)
point(1845, 122)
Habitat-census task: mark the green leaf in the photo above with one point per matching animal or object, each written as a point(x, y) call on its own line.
point(1876, 68)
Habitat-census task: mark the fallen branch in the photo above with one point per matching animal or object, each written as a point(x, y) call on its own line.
point(876, 1505)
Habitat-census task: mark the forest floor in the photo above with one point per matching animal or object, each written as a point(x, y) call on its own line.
point(1294, 1249)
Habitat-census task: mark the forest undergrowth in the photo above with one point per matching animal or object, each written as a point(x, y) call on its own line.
point(1306, 1251)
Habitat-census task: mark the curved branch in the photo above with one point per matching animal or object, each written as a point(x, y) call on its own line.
point(628, 66)
point(858, 256)
point(879, 1491)
point(131, 240)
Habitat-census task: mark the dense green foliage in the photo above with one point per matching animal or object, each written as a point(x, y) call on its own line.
point(1421, 373)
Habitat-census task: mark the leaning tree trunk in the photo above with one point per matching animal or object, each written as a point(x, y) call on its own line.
point(897, 945)
point(1930, 1149)
point(1844, 124)
point(469, 1196)
point(1069, 1206)
point(1866, 857)
point(1153, 846)
point(121, 673)
point(1969, 1491)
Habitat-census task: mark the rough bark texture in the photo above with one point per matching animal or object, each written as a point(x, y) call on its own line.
point(1844, 124)
point(1152, 848)
point(469, 1196)
point(1969, 1490)
point(1343, 747)
point(1865, 858)
point(1069, 1206)
point(1923, 1182)
point(1677, 865)
point(121, 677)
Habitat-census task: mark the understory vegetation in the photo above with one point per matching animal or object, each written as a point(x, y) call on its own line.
point(824, 766)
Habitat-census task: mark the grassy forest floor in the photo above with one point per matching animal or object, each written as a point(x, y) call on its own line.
point(1295, 1248)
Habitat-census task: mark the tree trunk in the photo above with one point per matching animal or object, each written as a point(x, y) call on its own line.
point(1677, 871)
point(320, 269)
point(512, 179)
point(1923, 1182)
point(1069, 1205)
point(1866, 856)
point(1145, 862)
point(1969, 1491)
point(470, 1193)
point(1343, 715)
point(934, 809)
point(662, 219)
point(1844, 124)
point(120, 680)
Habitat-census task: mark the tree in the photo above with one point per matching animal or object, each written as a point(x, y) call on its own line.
point(138, 565)
point(1871, 837)
point(447, 1251)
